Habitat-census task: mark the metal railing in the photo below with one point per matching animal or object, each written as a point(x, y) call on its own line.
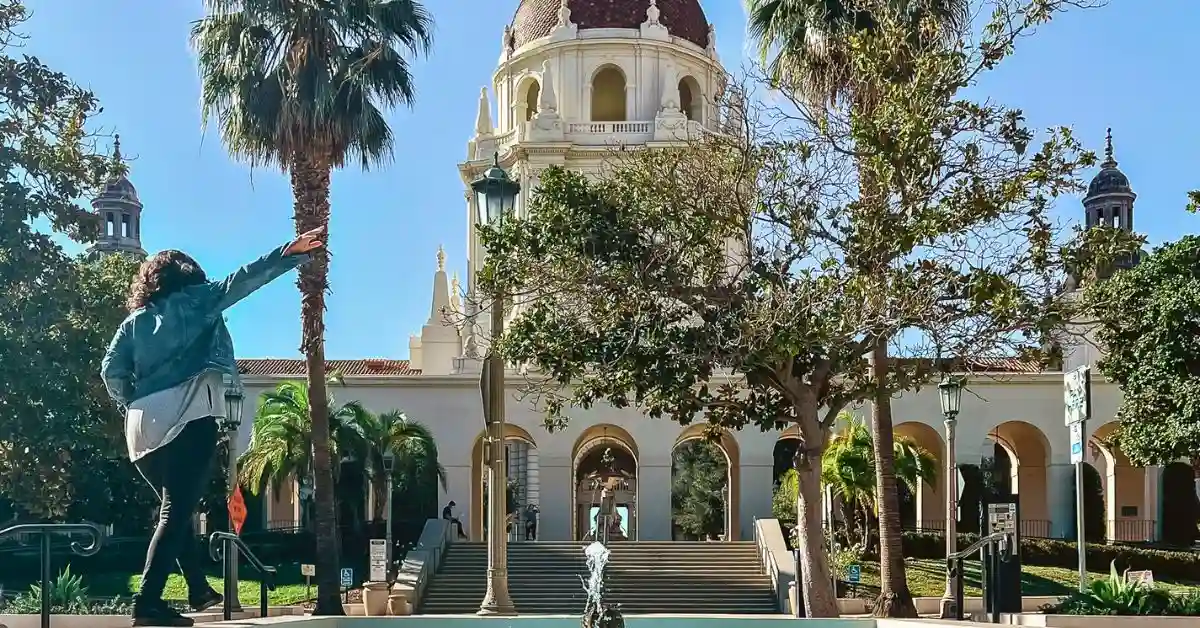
point(218, 548)
point(46, 530)
point(1001, 546)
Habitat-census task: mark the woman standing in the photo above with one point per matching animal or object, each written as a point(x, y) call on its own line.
point(166, 365)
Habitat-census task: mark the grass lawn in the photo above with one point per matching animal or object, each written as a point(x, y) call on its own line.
point(927, 578)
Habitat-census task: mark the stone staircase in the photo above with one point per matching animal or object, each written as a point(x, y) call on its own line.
point(643, 577)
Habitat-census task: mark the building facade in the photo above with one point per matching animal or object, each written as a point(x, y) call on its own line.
point(575, 80)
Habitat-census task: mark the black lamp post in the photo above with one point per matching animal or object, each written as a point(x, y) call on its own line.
point(950, 394)
point(389, 465)
point(231, 425)
point(495, 197)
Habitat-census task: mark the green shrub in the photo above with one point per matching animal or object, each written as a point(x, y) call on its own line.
point(1118, 595)
point(68, 596)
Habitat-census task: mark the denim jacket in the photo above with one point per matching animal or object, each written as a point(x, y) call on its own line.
point(175, 338)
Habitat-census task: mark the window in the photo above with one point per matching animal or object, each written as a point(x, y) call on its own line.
point(531, 100)
point(690, 98)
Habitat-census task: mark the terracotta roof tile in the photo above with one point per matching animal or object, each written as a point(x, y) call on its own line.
point(535, 19)
point(283, 367)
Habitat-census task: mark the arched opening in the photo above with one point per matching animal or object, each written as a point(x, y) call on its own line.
point(1017, 464)
point(530, 103)
point(705, 476)
point(608, 95)
point(1126, 510)
point(1180, 510)
point(925, 508)
point(691, 100)
point(604, 485)
point(523, 487)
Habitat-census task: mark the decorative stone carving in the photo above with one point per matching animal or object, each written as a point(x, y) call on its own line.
point(483, 119)
point(652, 28)
point(566, 29)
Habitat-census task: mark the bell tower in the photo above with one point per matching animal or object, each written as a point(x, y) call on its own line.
point(120, 213)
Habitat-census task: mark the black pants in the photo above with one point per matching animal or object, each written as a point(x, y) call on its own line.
point(531, 531)
point(179, 472)
point(457, 526)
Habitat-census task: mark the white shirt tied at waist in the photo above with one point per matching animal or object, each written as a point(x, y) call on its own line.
point(155, 420)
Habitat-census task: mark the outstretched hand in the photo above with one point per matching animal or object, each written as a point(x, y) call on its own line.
point(306, 242)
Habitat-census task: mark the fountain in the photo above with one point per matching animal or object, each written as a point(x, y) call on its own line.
point(597, 612)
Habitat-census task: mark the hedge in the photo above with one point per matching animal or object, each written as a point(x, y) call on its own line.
point(1167, 564)
point(1176, 565)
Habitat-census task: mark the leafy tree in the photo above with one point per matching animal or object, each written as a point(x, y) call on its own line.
point(746, 280)
point(303, 86)
point(699, 489)
point(60, 436)
point(1148, 323)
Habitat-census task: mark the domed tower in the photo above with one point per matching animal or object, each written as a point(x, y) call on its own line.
point(1109, 199)
point(120, 213)
point(577, 79)
point(1108, 202)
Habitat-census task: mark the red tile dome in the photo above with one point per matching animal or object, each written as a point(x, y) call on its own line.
point(537, 18)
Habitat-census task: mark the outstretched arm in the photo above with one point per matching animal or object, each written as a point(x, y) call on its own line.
point(221, 295)
point(117, 367)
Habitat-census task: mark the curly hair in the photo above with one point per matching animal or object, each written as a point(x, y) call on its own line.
point(160, 275)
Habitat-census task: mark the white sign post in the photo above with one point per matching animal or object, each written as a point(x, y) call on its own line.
point(378, 571)
point(1077, 401)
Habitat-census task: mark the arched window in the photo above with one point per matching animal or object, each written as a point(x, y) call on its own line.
point(691, 101)
point(532, 92)
point(608, 95)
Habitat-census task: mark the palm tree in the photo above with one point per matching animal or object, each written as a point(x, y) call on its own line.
point(848, 468)
point(303, 86)
point(281, 442)
point(804, 45)
point(416, 456)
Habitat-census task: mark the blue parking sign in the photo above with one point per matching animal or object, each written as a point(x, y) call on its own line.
point(347, 577)
point(854, 574)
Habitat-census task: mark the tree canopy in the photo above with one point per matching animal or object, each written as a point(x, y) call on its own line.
point(56, 312)
point(1148, 322)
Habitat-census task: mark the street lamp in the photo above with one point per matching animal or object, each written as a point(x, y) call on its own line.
point(495, 197)
point(389, 464)
point(950, 394)
point(231, 425)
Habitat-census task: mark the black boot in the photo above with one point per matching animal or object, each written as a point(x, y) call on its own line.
point(207, 599)
point(158, 614)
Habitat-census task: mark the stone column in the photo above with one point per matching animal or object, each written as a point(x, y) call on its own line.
point(1150, 502)
point(756, 485)
point(654, 499)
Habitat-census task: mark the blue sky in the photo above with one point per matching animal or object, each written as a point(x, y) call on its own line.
point(1125, 66)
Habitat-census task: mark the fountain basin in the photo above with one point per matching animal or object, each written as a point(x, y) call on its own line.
point(572, 621)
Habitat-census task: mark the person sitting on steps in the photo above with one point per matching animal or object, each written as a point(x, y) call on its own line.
point(448, 515)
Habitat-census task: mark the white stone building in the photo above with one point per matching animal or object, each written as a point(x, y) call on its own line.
point(574, 78)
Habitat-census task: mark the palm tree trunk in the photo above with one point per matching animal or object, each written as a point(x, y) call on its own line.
point(310, 190)
point(895, 600)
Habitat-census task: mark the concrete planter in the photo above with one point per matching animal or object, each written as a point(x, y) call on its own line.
point(375, 599)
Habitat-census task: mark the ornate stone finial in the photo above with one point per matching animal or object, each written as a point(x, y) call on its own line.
point(506, 44)
point(117, 148)
point(441, 258)
point(652, 13)
point(455, 287)
point(711, 48)
point(564, 15)
point(483, 119)
point(547, 99)
point(1109, 160)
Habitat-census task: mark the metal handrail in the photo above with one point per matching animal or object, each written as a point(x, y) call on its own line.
point(46, 530)
point(1004, 543)
point(218, 544)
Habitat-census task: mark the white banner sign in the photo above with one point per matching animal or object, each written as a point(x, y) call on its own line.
point(1077, 395)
